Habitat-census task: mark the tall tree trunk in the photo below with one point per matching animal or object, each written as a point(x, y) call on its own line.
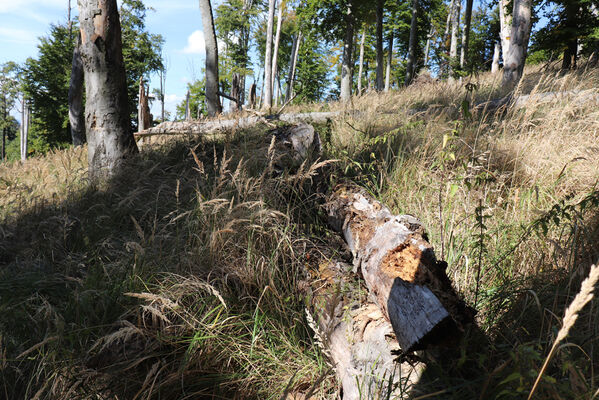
point(379, 45)
point(109, 137)
point(162, 89)
point(143, 112)
point(495, 64)
point(466, 33)
point(292, 64)
point(455, 27)
point(76, 115)
point(212, 100)
point(361, 62)
point(268, 78)
point(275, 55)
point(521, 24)
point(347, 63)
point(187, 108)
point(26, 117)
point(427, 48)
point(389, 62)
point(505, 27)
point(412, 44)
point(571, 50)
point(4, 115)
point(447, 35)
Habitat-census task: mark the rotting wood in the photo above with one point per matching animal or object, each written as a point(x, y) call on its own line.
point(400, 270)
point(356, 336)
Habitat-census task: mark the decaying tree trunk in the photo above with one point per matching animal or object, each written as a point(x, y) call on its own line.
point(107, 116)
point(400, 270)
point(76, 114)
point(143, 111)
point(356, 336)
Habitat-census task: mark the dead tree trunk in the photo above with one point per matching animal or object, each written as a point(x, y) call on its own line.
point(109, 138)
point(213, 104)
point(357, 336)
point(76, 114)
point(143, 112)
point(361, 61)
point(379, 45)
point(400, 270)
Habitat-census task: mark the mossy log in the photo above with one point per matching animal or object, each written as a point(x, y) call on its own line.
point(400, 269)
point(357, 337)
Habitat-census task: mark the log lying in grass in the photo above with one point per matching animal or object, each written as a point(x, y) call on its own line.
point(400, 270)
point(357, 337)
point(204, 127)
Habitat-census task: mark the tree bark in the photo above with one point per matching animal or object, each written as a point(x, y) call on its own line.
point(26, 117)
point(187, 108)
point(412, 43)
point(361, 61)
point(109, 137)
point(399, 267)
point(455, 27)
point(521, 24)
point(213, 104)
point(235, 93)
point(275, 55)
point(495, 64)
point(347, 63)
point(389, 62)
point(268, 78)
point(358, 337)
point(466, 33)
point(143, 110)
point(571, 50)
point(253, 96)
point(429, 38)
point(292, 65)
point(379, 45)
point(75, 96)
point(505, 28)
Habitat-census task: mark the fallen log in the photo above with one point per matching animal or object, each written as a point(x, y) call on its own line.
point(400, 270)
point(357, 337)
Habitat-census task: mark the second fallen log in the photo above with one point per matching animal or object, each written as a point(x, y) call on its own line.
point(400, 269)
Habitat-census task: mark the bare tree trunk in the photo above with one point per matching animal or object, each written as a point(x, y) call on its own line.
point(347, 63)
point(5, 114)
point(412, 44)
point(389, 62)
point(521, 24)
point(447, 36)
point(505, 27)
point(427, 48)
point(361, 62)
point(187, 108)
point(213, 104)
point(495, 65)
point(275, 55)
point(109, 137)
point(379, 45)
point(466, 33)
point(75, 96)
point(571, 50)
point(25, 122)
point(268, 78)
point(253, 96)
point(235, 93)
point(162, 89)
point(292, 64)
point(455, 27)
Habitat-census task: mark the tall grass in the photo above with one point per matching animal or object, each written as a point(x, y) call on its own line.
point(183, 276)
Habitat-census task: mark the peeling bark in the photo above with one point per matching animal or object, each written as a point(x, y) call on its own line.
point(400, 270)
point(107, 116)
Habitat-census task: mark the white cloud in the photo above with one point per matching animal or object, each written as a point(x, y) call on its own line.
point(17, 35)
point(12, 6)
point(195, 43)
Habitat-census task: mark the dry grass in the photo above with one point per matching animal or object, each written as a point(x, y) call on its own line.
point(180, 278)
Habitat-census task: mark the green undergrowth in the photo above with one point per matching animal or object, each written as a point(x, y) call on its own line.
point(182, 277)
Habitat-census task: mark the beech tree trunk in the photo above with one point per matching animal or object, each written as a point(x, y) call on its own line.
point(275, 55)
point(513, 66)
point(379, 45)
point(466, 33)
point(25, 123)
point(109, 138)
point(75, 96)
point(505, 28)
point(427, 49)
point(213, 104)
point(455, 28)
point(495, 64)
point(347, 63)
point(292, 65)
point(400, 269)
point(143, 110)
point(268, 78)
point(389, 62)
point(361, 62)
point(412, 43)
point(187, 108)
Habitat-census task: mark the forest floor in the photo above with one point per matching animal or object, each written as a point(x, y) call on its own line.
point(181, 276)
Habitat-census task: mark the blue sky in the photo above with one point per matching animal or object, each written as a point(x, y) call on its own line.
point(178, 21)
